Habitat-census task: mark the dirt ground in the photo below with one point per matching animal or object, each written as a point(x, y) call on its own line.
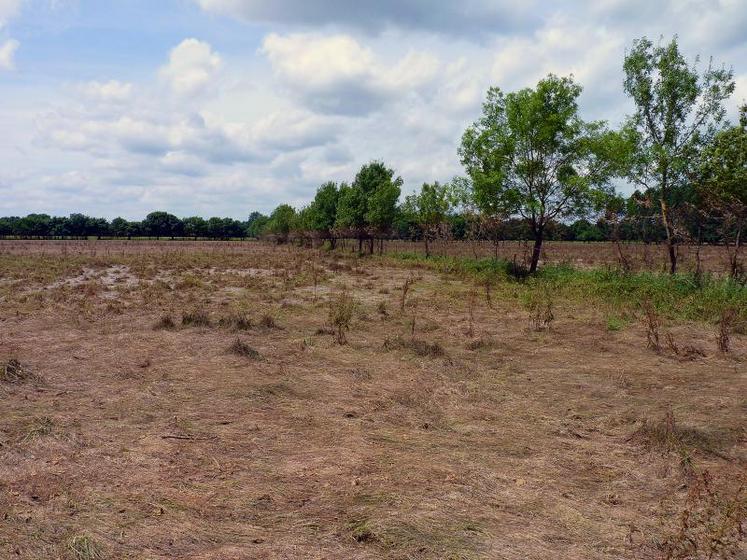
point(444, 429)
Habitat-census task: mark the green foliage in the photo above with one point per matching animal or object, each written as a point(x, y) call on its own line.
point(429, 209)
point(677, 111)
point(159, 224)
point(723, 168)
point(531, 154)
point(280, 222)
point(323, 210)
point(368, 207)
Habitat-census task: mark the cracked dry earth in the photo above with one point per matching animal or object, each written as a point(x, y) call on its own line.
point(488, 440)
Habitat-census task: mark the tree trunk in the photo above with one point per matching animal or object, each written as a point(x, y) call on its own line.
point(427, 248)
point(671, 245)
point(735, 256)
point(537, 251)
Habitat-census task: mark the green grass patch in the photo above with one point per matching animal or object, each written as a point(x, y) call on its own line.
point(678, 296)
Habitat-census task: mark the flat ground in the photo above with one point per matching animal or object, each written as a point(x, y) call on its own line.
point(468, 435)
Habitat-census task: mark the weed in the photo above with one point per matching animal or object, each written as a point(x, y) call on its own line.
point(267, 321)
point(405, 288)
point(417, 346)
point(711, 523)
point(667, 436)
point(241, 348)
point(13, 371)
point(40, 427)
point(672, 343)
point(165, 323)
point(539, 303)
point(362, 531)
point(615, 324)
point(725, 326)
point(197, 318)
point(471, 313)
point(83, 547)
point(381, 309)
point(479, 343)
point(236, 322)
point(341, 314)
point(653, 324)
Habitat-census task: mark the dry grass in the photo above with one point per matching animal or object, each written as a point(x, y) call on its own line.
point(512, 444)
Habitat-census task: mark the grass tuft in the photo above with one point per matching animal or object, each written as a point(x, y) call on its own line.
point(241, 348)
point(83, 547)
point(196, 318)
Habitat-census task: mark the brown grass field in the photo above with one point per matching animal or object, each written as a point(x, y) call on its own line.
point(191, 401)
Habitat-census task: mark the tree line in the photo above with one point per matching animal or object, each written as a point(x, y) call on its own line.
point(534, 169)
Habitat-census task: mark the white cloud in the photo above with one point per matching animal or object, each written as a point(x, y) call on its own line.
point(112, 91)
point(192, 66)
point(8, 10)
point(7, 54)
point(336, 74)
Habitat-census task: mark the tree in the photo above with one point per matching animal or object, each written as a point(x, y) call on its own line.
point(429, 209)
point(531, 154)
point(368, 207)
point(195, 226)
point(722, 181)
point(677, 111)
point(323, 212)
point(256, 223)
point(162, 224)
point(280, 222)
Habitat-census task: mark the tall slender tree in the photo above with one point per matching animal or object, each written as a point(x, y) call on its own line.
point(678, 109)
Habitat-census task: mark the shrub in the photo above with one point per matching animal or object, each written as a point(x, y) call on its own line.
point(340, 315)
point(539, 303)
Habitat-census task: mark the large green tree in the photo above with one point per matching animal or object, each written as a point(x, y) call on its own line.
point(531, 154)
point(678, 109)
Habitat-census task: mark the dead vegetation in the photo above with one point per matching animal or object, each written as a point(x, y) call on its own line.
point(13, 371)
point(204, 419)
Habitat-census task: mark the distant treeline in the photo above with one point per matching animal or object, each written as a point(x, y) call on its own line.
point(405, 226)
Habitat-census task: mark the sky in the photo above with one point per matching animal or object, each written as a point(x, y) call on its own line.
point(222, 107)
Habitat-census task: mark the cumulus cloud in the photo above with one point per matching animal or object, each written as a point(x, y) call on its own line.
point(336, 74)
point(111, 91)
point(467, 16)
point(7, 54)
point(192, 66)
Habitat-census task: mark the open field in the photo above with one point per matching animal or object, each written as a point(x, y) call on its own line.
point(192, 400)
point(641, 256)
